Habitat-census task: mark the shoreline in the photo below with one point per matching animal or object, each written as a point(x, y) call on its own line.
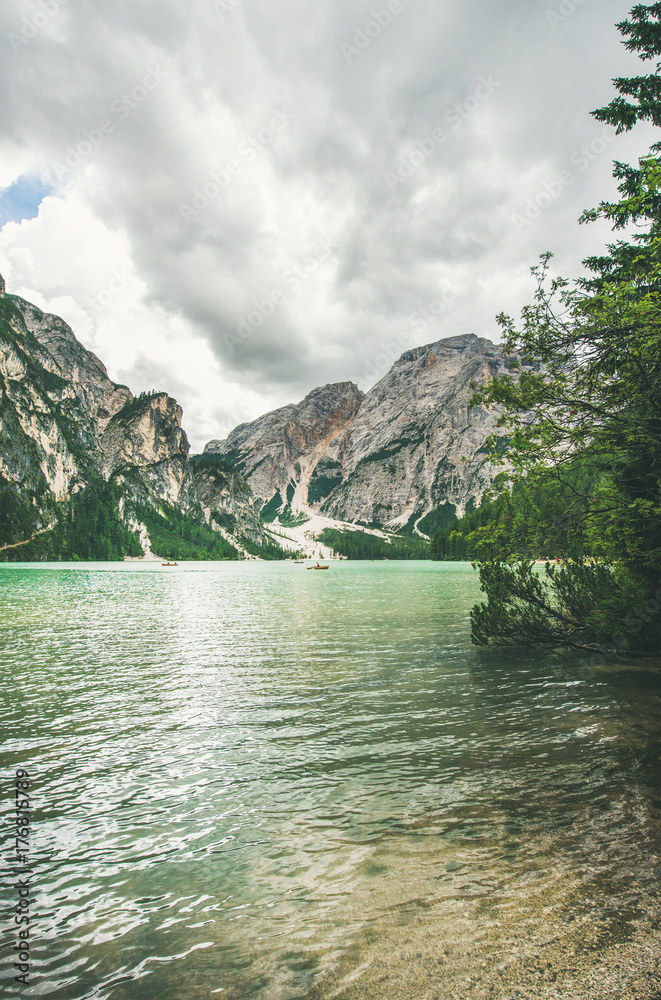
point(427, 967)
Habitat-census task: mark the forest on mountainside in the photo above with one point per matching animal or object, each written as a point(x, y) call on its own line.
point(361, 545)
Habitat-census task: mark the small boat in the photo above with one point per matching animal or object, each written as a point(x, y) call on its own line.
point(318, 567)
point(169, 564)
point(298, 562)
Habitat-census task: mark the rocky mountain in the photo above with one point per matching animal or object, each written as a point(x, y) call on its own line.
point(65, 425)
point(276, 452)
point(409, 451)
point(386, 458)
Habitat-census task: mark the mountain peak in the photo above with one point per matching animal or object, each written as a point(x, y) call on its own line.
point(466, 343)
point(388, 457)
point(331, 394)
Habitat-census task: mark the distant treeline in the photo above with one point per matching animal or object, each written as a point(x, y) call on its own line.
point(90, 527)
point(174, 535)
point(86, 527)
point(360, 545)
point(546, 517)
point(210, 460)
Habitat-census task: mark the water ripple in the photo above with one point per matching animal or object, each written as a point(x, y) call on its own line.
point(248, 783)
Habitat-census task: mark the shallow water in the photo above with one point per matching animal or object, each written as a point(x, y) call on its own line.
point(253, 781)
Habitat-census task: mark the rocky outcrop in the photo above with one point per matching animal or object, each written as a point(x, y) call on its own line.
point(224, 493)
point(66, 357)
point(272, 451)
point(49, 421)
point(411, 444)
point(416, 442)
point(146, 449)
point(64, 423)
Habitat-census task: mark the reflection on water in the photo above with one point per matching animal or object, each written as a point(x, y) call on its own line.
point(253, 781)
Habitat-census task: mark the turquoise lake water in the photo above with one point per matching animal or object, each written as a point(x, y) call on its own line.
point(250, 780)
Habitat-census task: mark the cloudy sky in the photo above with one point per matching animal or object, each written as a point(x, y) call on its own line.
point(238, 200)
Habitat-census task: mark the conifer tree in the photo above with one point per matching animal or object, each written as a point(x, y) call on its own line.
point(591, 382)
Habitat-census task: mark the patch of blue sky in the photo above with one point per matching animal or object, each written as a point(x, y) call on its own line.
point(21, 200)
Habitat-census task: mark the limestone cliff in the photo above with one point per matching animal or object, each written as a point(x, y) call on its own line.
point(224, 493)
point(272, 452)
point(64, 424)
point(55, 397)
point(144, 446)
point(411, 444)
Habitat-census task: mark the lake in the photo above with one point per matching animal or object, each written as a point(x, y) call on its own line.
point(249, 780)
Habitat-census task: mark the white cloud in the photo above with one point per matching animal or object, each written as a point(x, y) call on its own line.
point(141, 344)
point(257, 122)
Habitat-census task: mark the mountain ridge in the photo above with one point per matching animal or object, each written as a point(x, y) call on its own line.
point(67, 428)
point(383, 459)
point(392, 455)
